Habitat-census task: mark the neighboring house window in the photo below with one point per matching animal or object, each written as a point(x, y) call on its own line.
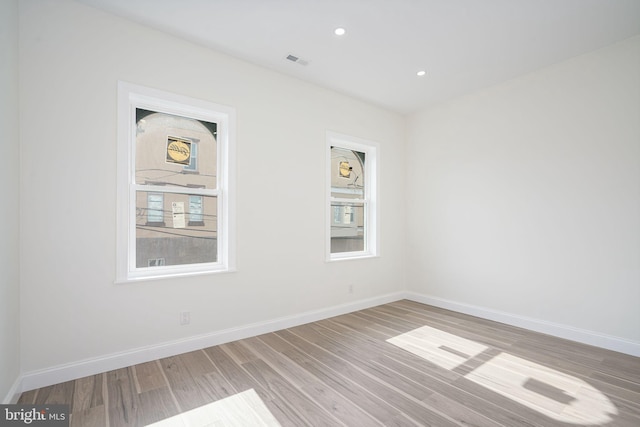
point(155, 208)
point(175, 185)
point(351, 197)
point(195, 210)
point(193, 160)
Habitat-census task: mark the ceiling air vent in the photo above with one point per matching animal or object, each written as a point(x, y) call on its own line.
point(296, 59)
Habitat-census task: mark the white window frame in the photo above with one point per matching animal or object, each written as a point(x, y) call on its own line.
point(370, 200)
point(131, 97)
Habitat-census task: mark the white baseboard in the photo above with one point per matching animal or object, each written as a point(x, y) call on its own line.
point(562, 331)
point(13, 394)
point(83, 368)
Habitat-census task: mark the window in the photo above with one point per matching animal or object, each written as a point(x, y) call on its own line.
point(195, 210)
point(175, 204)
point(351, 197)
point(155, 208)
point(193, 158)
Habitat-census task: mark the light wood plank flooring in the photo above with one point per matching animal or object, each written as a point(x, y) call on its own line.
point(448, 369)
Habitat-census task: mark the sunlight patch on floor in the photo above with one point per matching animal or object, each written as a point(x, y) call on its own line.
point(550, 392)
point(436, 346)
point(240, 410)
point(577, 402)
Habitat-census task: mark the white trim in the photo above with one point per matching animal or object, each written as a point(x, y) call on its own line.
point(14, 392)
point(370, 201)
point(583, 336)
point(164, 276)
point(346, 191)
point(130, 97)
point(83, 368)
point(176, 190)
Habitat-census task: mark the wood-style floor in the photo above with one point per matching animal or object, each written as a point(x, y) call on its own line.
point(456, 370)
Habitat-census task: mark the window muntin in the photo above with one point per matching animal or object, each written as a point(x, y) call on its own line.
point(175, 185)
point(351, 198)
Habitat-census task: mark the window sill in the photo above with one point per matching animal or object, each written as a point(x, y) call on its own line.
point(163, 276)
point(351, 256)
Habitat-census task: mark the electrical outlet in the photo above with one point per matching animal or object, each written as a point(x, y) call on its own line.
point(185, 318)
point(350, 289)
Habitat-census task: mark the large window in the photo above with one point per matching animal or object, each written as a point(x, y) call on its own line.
point(351, 194)
point(174, 185)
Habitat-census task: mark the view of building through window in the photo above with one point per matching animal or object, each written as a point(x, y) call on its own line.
point(348, 200)
point(176, 163)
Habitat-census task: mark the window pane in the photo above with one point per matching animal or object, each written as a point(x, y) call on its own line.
point(177, 240)
point(347, 173)
point(175, 151)
point(193, 161)
point(347, 227)
point(155, 207)
point(195, 210)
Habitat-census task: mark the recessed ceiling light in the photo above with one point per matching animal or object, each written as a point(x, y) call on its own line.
point(339, 31)
point(421, 73)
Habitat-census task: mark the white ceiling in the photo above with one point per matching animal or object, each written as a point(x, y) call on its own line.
point(463, 45)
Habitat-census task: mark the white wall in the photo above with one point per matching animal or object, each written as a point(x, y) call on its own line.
point(71, 59)
point(524, 198)
point(10, 213)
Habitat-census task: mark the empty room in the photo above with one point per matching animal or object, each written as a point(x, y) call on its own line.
point(320, 213)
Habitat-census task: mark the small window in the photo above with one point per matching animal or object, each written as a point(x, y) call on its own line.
point(155, 208)
point(156, 262)
point(195, 210)
point(193, 158)
point(175, 185)
point(351, 167)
